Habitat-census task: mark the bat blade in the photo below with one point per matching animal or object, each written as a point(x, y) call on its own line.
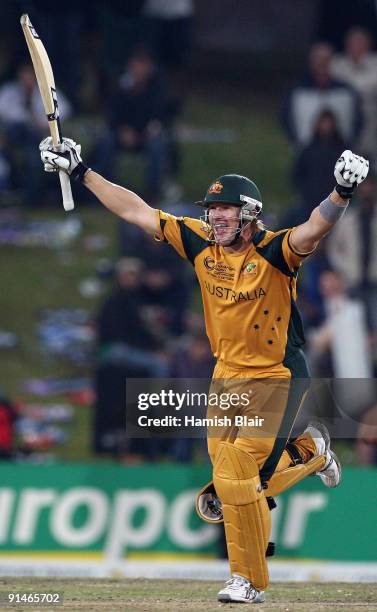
point(46, 84)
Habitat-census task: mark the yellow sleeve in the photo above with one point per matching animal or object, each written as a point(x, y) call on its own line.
point(171, 232)
point(291, 256)
point(185, 234)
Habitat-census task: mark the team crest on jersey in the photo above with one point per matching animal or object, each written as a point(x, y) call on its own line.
point(216, 187)
point(250, 268)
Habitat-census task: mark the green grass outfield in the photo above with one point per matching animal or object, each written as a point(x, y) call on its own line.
point(173, 595)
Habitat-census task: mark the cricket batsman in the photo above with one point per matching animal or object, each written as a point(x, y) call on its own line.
point(247, 276)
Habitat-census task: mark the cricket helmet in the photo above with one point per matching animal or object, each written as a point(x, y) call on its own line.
point(237, 190)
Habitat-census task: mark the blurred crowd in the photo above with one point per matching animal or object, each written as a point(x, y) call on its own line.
point(146, 327)
point(332, 108)
point(125, 64)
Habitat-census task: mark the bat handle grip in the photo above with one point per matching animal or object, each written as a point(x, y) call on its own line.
point(65, 184)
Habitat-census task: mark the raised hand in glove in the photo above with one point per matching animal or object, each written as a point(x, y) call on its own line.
point(350, 170)
point(68, 158)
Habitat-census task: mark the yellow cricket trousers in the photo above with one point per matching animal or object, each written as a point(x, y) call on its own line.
point(271, 408)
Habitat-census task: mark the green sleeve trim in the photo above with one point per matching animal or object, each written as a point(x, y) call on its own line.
point(162, 226)
point(258, 237)
point(273, 253)
point(193, 244)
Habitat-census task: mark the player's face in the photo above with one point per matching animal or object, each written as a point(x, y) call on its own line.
point(224, 220)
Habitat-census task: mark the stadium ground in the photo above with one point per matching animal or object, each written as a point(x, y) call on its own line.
point(172, 595)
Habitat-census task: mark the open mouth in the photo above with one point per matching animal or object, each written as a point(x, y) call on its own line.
point(222, 229)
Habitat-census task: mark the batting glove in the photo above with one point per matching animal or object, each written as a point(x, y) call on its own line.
point(67, 158)
point(350, 171)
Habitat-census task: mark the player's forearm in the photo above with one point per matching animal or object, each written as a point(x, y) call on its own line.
point(326, 215)
point(305, 237)
point(119, 200)
point(350, 170)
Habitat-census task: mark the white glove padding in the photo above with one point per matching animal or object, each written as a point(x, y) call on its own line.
point(350, 169)
point(67, 158)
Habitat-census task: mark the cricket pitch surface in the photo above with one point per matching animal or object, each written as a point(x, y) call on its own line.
point(188, 595)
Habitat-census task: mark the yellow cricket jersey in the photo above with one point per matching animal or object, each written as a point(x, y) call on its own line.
point(249, 298)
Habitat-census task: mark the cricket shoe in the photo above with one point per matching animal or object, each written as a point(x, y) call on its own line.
point(331, 474)
point(240, 590)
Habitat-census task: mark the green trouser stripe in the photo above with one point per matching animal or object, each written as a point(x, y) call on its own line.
point(298, 386)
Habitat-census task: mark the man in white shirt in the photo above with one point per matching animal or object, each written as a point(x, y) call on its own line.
point(23, 122)
point(357, 66)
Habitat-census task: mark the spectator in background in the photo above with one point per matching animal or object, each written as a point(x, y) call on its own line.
point(167, 283)
point(357, 66)
point(352, 249)
point(360, 12)
point(319, 336)
point(332, 349)
point(119, 29)
point(310, 299)
point(316, 92)
point(169, 27)
point(5, 165)
point(123, 336)
point(127, 348)
point(139, 118)
point(314, 168)
point(23, 122)
point(8, 417)
point(63, 30)
point(366, 442)
point(193, 359)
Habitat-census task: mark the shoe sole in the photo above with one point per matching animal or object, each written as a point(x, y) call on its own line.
point(228, 599)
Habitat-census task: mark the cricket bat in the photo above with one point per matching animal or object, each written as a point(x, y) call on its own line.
point(46, 84)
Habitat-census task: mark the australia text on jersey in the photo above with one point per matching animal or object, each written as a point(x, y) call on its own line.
point(234, 296)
